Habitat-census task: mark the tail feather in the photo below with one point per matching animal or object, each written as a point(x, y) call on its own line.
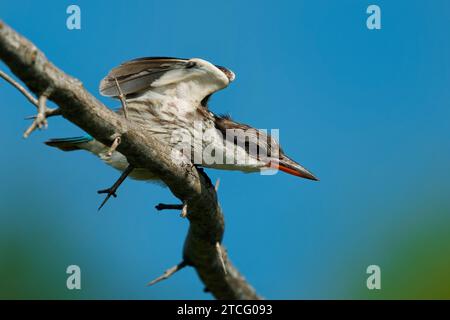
point(68, 144)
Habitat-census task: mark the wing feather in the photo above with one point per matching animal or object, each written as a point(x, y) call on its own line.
point(136, 75)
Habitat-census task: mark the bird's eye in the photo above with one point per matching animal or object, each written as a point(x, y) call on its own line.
point(190, 64)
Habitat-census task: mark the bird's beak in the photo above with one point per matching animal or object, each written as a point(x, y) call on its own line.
point(293, 168)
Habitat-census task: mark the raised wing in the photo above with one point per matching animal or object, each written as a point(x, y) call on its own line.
point(194, 78)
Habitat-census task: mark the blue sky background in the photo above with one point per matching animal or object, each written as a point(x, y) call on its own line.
point(367, 111)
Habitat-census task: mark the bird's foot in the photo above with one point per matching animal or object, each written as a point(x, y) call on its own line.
point(112, 190)
point(109, 192)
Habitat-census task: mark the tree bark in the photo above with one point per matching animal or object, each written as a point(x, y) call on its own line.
point(202, 249)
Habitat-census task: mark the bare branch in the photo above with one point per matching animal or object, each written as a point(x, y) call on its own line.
point(40, 121)
point(182, 207)
point(168, 273)
point(221, 258)
point(19, 87)
point(49, 112)
point(184, 212)
point(142, 150)
point(123, 101)
point(163, 206)
point(114, 146)
point(216, 186)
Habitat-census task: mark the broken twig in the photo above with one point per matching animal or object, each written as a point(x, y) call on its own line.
point(168, 273)
point(123, 101)
point(114, 146)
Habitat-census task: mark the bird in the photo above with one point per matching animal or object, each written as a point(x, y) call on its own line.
point(168, 97)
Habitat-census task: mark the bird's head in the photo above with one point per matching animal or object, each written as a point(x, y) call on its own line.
point(206, 66)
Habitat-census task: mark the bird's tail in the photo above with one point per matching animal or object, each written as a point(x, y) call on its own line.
point(69, 144)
